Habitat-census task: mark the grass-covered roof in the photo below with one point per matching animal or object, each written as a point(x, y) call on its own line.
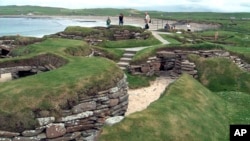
point(50, 90)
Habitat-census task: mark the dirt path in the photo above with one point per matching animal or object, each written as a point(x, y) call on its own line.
point(140, 99)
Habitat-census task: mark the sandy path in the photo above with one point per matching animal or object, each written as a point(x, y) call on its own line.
point(140, 99)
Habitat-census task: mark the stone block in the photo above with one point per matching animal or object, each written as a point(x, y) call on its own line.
point(31, 133)
point(145, 69)
point(113, 90)
point(45, 120)
point(113, 102)
point(165, 54)
point(79, 128)
point(116, 107)
point(8, 134)
point(26, 139)
point(5, 77)
point(5, 139)
point(93, 136)
point(55, 130)
point(77, 116)
point(103, 98)
point(115, 95)
point(103, 92)
point(225, 54)
point(88, 106)
point(156, 65)
point(102, 107)
point(97, 112)
point(41, 136)
point(123, 98)
point(67, 137)
point(113, 120)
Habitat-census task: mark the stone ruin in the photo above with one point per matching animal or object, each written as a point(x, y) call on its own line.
point(82, 122)
point(175, 62)
point(5, 47)
point(96, 38)
point(22, 68)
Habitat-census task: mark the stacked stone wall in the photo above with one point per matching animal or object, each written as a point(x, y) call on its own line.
point(177, 62)
point(83, 122)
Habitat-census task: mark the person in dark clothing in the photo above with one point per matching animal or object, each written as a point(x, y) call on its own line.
point(121, 19)
point(108, 22)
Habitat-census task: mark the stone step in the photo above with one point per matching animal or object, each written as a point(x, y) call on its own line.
point(125, 59)
point(123, 68)
point(128, 55)
point(123, 64)
point(130, 51)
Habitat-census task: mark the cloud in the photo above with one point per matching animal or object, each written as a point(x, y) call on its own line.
point(245, 5)
point(195, 5)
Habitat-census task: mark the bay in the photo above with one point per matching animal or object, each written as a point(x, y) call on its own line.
point(38, 27)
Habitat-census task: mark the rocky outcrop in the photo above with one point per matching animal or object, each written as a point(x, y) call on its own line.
point(82, 122)
point(176, 62)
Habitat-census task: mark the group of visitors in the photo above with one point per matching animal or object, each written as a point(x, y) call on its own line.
point(146, 19)
point(108, 21)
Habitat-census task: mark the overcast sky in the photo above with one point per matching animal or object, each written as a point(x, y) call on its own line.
point(161, 5)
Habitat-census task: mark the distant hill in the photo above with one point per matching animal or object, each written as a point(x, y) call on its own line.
point(37, 10)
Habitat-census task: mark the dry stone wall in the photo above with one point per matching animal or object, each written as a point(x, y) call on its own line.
point(83, 122)
point(176, 62)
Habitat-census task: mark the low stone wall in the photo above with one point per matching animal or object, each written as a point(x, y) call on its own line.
point(126, 34)
point(115, 33)
point(82, 122)
point(177, 63)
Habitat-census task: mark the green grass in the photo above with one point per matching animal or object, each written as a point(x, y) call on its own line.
point(227, 37)
point(220, 74)
point(186, 111)
point(238, 106)
point(170, 39)
point(50, 90)
point(80, 31)
point(142, 55)
point(51, 45)
point(113, 54)
point(130, 43)
point(138, 81)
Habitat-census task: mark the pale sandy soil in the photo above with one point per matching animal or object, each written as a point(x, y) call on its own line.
point(140, 99)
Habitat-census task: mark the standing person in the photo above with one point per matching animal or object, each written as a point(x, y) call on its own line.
point(121, 19)
point(108, 22)
point(188, 27)
point(147, 20)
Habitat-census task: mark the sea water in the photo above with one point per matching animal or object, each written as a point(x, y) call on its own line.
point(38, 27)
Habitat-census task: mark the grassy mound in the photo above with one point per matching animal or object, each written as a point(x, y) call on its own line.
point(187, 111)
point(107, 35)
point(220, 74)
point(51, 90)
